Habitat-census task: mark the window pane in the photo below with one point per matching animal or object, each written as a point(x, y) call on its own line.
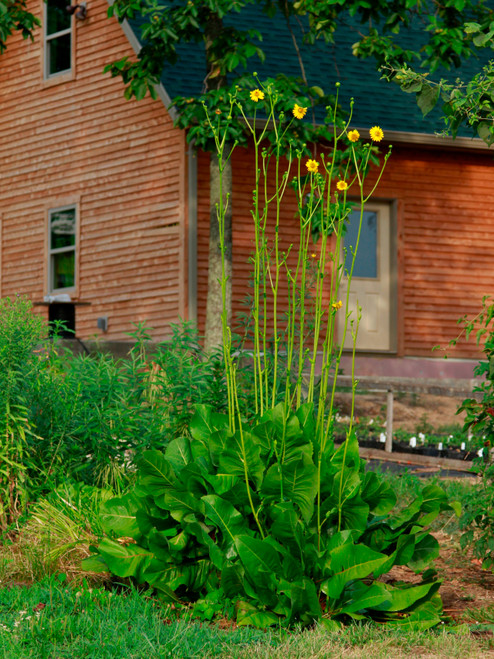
point(62, 228)
point(58, 18)
point(63, 270)
point(366, 261)
point(59, 54)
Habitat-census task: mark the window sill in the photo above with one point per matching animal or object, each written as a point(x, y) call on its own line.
point(54, 80)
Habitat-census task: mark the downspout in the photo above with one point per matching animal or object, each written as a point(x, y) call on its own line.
point(192, 231)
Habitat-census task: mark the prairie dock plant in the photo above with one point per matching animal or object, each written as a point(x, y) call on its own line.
point(321, 187)
point(270, 514)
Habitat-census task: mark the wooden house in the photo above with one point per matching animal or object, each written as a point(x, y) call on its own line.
point(103, 202)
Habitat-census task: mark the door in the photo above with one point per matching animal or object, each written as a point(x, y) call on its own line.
point(371, 283)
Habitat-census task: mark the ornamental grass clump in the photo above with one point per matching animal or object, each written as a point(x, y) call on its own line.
point(270, 513)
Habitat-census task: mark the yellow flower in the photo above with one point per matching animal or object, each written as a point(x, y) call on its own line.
point(299, 112)
point(313, 255)
point(337, 305)
point(256, 95)
point(376, 134)
point(342, 185)
point(312, 166)
point(354, 136)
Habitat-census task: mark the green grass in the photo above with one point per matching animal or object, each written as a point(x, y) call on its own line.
point(100, 624)
point(84, 622)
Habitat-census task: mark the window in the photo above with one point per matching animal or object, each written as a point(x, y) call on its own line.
point(58, 38)
point(62, 248)
point(367, 255)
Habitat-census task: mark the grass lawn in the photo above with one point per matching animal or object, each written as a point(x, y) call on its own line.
point(51, 619)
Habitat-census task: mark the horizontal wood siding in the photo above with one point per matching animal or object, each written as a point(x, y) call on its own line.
point(445, 240)
point(123, 161)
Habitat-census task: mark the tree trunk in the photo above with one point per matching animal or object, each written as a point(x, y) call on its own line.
point(214, 306)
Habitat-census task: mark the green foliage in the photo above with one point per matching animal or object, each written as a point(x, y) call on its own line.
point(94, 414)
point(89, 416)
point(479, 418)
point(463, 102)
point(238, 511)
point(229, 119)
point(14, 17)
point(444, 22)
point(20, 334)
point(478, 517)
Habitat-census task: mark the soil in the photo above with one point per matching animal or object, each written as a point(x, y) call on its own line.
point(466, 586)
point(411, 412)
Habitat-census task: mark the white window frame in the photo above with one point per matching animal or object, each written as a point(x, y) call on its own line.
point(46, 45)
point(61, 250)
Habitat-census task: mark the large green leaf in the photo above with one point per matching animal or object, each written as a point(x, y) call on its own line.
point(404, 597)
point(203, 535)
point(125, 560)
point(118, 516)
point(158, 543)
point(295, 482)
point(171, 576)
point(225, 517)
point(304, 602)
point(426, 550)
point(258, 557)
point(178, 453)
point(156, 474)
point(247, 614)
point(222, 483)
point(354, 514)
point(287, 526)
point(364, 597)
point(305, 416)
point(180, 504)
point(192, 478)
point(95, 563)
point(204, 422)
point(279, 429)
point(377, 493)
point(347, 454)
point(405, 546)
point(232, 579)
point(349, 562)
point(435, 499)
point(240, 454)
point(422, 618)
point(218, 442)
point(286, 424)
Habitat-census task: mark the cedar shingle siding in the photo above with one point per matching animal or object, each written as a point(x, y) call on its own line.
point(79, 140)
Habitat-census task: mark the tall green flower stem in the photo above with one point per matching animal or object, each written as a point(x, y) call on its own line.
point(322, 201)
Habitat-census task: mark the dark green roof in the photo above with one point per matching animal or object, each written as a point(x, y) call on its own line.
point(377, 102)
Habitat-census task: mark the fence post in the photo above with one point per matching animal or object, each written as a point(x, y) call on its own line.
point(389, 423)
